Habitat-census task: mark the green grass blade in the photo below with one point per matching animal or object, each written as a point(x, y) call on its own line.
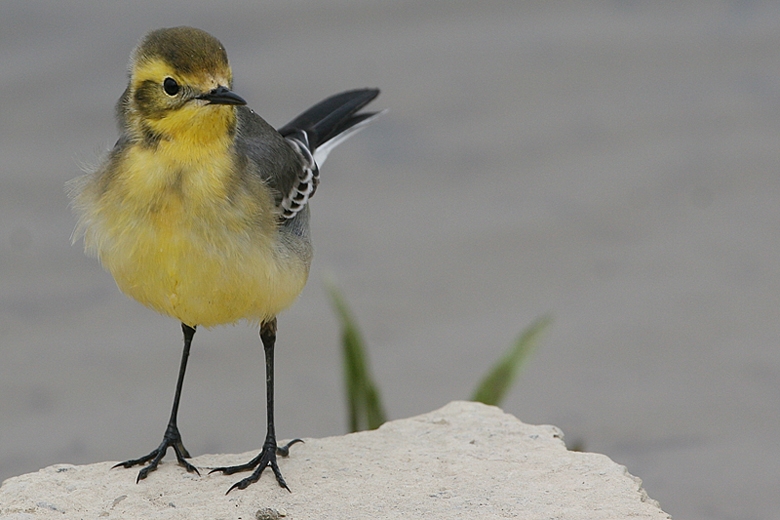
point(363, 401)
point(499, 380)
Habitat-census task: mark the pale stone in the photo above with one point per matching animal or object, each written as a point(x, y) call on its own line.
point(465, 460)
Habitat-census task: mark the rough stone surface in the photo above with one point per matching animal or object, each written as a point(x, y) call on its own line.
point(465, 460)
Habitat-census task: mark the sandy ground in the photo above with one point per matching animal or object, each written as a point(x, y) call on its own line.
point(612, 163)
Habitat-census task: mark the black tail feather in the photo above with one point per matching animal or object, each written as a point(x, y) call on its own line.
point(332, 116)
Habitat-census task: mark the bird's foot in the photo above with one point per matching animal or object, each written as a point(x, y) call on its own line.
point(171, 439)
point(267, 457)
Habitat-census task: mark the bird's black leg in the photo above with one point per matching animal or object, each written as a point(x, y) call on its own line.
point(267, 457)
point(172, 437)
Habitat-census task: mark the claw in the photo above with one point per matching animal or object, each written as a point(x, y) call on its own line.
point(284, 451)
point(171, 439)
point(266, 458)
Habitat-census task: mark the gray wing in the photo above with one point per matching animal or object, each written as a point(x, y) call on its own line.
point(271, 156)
point(288, 159)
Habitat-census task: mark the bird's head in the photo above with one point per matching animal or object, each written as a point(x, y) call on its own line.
point(179, 89)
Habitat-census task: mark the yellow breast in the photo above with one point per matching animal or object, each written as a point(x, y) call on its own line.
point(191, 238)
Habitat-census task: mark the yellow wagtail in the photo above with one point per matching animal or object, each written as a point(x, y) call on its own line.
point(200, 211)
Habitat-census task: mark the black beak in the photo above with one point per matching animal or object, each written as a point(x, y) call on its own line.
point(222, 96)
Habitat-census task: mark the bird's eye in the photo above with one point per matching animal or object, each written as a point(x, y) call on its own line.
point(170, 86)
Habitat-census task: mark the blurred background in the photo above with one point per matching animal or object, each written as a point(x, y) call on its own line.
point(613, 163)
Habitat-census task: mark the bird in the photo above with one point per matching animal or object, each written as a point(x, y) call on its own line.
point(200, 211)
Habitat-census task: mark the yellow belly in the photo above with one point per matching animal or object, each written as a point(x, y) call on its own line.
point(193, 245)
point(183, 276)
